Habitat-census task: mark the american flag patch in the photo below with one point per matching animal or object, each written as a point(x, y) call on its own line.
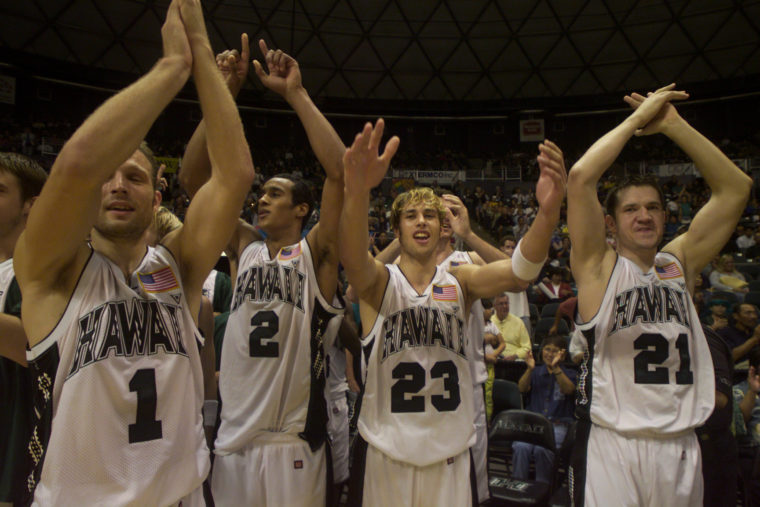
point(445, 292)
point(158, 281)
point(290, 252)
point(454, 264)
point(298, 464)
point(668, 271)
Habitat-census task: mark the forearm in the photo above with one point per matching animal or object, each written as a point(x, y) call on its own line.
point(483, 248)
point(535, 244)
point(747, 404)
point(323, 138)
point(353, 230)
point(524, 383)
point(196, 166)
point(12, 339)
point(600, 156)
point(743, 349)
point(722, 176)
point(390, 252)
point(114, 131)
point(566, 385)
point(227, 148)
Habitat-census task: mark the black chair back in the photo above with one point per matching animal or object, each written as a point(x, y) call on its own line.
point(523, 426)
point(506, 396)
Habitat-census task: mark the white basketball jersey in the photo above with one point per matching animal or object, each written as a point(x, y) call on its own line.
point(417, 406)
point(208, 285)
point(272, 374)
point(648, 369)
point(123, 371)
point(337, 385)
point(475, 324)
point(6, 277)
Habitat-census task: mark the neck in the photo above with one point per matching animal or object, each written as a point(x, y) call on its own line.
point(643, 258)
point(8, 243)
point(276, 241)
point(125, 253)
point(419, 272)
point(443, 250)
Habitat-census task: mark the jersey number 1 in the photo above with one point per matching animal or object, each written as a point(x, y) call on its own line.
point(654, 351)
point(145, 427)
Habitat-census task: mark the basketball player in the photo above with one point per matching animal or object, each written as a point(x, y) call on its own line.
point(110, 322)
point(270, 445)
point(457, 222)
point(647, 379)
point(21, 180)
point(417, 412)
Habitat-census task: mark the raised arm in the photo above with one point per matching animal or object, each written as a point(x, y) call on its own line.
point(500, 276)
point(591, 258)
point(67, 207)
point(730, 187)
point(364, 170)
point(284, 78)
point(459, 218)
point(213, 212)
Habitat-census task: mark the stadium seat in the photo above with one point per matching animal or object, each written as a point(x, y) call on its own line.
point(752, 298)
point(754, 286)
point(533, 315)
point(518, 426)
point(506, 396)
point(549, 310)
point(543, 326)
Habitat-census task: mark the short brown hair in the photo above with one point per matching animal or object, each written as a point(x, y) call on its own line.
point(417, 194)
point(31, 177)
point(145, 150)
point(613, 198)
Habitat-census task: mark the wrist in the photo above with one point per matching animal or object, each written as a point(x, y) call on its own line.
point(295, 95)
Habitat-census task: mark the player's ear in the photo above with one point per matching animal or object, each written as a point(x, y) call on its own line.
point(302, 209)
point(157, 198)
point(609, 221)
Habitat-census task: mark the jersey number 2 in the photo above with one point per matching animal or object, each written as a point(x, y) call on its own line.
point(265, 325)
point(145, 427)
point(654, 351)
point(411, 378)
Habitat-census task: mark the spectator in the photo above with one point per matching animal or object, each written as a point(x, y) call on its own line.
point(554, 288)
point(716, 441)
point(725, 277)
point(511, 328)
point(550, 387)
point(744, 334)
point(494, 346)
point(746, 421)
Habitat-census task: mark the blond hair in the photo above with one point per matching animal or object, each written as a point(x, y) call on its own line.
point(164, 222)
point(424, 195)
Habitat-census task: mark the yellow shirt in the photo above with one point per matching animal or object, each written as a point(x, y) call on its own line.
point(515, 335)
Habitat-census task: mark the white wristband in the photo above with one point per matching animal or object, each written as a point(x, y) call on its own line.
point(210, 411)
point(523, 268)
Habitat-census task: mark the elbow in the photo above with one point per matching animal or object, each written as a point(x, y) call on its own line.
point(519, 284)
point(578, 177)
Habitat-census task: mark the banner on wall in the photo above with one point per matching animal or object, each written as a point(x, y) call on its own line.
point(171, 163)
point(427, 177)
point(531, 131)
point(7, 89)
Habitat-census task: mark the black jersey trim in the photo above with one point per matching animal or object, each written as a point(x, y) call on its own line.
point(584, 389)
point(45, 369)
point(576, 480)
point(41, 346)
point(358, 469)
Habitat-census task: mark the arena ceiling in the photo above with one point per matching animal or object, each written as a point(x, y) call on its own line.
point(420, 50)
